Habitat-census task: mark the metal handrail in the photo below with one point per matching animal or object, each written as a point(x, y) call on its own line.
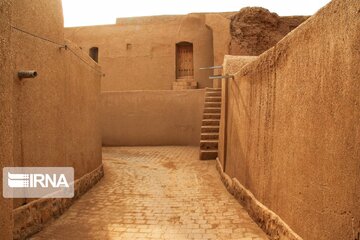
point(210, 68)
point(221, 77)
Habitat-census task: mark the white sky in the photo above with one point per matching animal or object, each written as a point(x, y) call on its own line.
point(96, 12)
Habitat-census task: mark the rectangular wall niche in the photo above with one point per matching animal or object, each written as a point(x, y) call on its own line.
point(94, 53)
point(184, 60)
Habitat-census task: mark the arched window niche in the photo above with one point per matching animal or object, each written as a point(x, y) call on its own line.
point(184, 60)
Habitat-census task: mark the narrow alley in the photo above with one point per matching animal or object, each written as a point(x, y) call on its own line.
point(202, 121)
point(155, 193)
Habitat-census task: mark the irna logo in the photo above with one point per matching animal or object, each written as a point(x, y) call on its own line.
point(42, 182)
point(37, 180)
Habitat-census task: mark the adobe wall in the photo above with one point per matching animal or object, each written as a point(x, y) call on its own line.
point(149, 20)
point(220, 26)
point(145, 65)
point(152, 118)
point(6, 123)
point(140, 53)
point(293, 134)
point(82, 122)
point(193, 29)
point(56, 114)
point(218, 22)
point(232, 65)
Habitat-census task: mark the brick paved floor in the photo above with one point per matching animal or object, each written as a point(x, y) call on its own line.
point(155, 193)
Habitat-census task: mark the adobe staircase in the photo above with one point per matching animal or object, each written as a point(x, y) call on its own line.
point(210, 124)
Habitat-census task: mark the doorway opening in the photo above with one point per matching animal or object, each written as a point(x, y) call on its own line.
point(184, 60)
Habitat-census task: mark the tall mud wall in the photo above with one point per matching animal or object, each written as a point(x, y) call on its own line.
point(56, 114)
point(293, 125)
point(232, 65)
point(152, 118)
point(6, 120)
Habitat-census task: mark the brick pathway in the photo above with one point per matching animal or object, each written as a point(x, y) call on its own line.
point(155, 193)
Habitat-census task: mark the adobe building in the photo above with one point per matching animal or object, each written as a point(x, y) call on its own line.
point(167, 52)
point(142, 58)
point(287, 107)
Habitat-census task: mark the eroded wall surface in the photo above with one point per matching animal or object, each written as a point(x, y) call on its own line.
point(56, 114)
point(152, 118)
point(6, 109)
point(255, 30)
point(293, 134)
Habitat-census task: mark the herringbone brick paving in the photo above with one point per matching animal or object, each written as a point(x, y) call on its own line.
point(155, 193)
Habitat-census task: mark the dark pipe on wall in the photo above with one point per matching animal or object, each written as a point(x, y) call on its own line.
point(27, 74)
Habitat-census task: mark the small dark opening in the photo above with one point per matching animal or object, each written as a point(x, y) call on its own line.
point(94, 53)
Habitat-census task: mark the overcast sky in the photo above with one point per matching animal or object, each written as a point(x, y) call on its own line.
point(95, 12)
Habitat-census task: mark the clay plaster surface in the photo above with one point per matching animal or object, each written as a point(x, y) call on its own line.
point(152, 118)
point(140, 53)
point(231, 65)
point(56, 112)
point(293, 133)
point(6, 109)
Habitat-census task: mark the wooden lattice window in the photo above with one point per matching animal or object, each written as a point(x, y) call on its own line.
point(184, 60)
